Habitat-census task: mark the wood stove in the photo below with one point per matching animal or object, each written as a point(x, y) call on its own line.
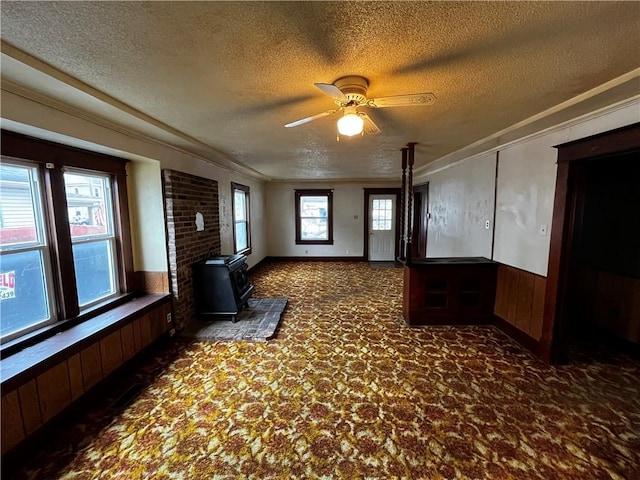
point(221, 286)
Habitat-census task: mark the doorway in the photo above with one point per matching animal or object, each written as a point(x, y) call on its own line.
point(381, 235)
point(594, 258)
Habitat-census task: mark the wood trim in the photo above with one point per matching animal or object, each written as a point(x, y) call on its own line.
point(123, 233)
point(42, 151)
point(60, 245)
point(380, 191)
point(247, 198)
point(311, 192)
point(564, 223)
point(612, 142)
point(420, 220)
point(316, 259)
point(518, 335)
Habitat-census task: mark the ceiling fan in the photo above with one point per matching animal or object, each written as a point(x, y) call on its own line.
point(349, 94)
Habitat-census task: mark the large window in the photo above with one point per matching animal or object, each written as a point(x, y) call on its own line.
point(65, 252)
point(25, 276)
point(314, 217)
point(241, 222)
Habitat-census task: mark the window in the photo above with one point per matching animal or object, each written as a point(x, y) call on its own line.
point(25, 280)
point(65, 251)
point(314, 217)
point(92, 236)
point(241, 222)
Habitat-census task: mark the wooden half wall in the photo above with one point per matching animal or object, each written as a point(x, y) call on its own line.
point(41, 381)
point(519, 304)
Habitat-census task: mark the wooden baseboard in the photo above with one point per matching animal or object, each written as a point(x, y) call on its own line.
point(316, 259)
point(530, 343)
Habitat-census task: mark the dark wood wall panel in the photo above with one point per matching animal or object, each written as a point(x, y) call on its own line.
point(30, 407)
point(128, 342)
point(30, 404)
point(91, 366)
point(111, 352)
point(520, 299)
point(54, 391)
point(12, 428)
point(608, 301)
point(75, 376)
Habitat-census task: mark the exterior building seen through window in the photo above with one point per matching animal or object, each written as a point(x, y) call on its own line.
point(25, 276)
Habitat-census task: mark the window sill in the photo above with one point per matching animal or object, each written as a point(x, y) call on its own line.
point(38, 357)
point(32, 338)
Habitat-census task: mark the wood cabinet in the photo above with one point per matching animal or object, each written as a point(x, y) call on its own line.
point(449, 291)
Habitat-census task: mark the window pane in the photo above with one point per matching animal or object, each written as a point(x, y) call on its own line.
point(23, 292)
point(314, 229)
point(313, 207)
point(88, 205)
point(17, 206)
point(95, 277)
point(381, 214)
point(241, 236)
point(239, 206)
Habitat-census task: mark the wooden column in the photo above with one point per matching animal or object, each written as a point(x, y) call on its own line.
point(409, 188)
point(403, 205)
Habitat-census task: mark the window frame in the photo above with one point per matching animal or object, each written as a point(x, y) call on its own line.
point(52, 159)
point(237, 187)
point(41, 245)
point(299, 194)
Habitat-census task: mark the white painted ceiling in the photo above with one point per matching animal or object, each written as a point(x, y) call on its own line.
point(222, 78)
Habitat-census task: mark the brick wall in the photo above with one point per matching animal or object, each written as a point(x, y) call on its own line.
point(184, 196)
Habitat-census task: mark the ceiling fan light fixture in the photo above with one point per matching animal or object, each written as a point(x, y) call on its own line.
point(350, 124)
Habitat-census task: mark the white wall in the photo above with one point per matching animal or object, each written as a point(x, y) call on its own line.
point(461, 201)
point(525, 191)
point(147, 160)
point(348, 220)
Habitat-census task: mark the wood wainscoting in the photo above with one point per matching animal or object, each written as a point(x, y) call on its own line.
point(519, 305)
point(41, 381)
point(608, 302)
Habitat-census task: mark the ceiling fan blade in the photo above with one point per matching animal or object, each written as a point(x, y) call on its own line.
point(369, 128)
point(332, 91)
point(311, 118)
point(409, 100)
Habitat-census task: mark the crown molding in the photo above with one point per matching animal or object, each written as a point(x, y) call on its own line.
point(213, 156)
point(495, 142)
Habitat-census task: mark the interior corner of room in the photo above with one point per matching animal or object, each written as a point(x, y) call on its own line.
point(518, 212)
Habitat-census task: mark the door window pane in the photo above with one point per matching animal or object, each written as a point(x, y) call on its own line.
point(24, 299)
point(381, 214)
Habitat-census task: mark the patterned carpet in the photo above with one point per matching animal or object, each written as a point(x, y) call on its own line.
point(347, 391)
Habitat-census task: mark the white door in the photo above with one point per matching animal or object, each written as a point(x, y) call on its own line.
point(382, 227)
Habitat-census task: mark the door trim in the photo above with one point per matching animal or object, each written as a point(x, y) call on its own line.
point(380, 191)
point(563, 227)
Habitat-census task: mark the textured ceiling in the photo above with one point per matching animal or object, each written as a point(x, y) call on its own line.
point(231, 74)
